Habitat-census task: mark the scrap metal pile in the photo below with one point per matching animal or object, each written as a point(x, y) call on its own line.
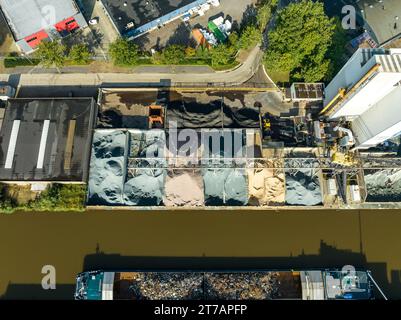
point(209, 285)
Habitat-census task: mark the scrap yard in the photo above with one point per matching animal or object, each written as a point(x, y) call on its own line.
point(224, 151)
point(243, 156)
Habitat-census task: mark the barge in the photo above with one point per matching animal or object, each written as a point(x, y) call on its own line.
point(221, 285)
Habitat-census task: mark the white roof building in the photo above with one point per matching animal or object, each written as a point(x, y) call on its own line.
point(367, 92)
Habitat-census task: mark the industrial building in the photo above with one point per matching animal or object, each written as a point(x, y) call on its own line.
point(381, 19)
point(34, 21)
point(367, 92)
point(133, 18)
point(46, 140)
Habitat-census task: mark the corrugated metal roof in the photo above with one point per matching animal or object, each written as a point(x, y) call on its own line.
point(389, 63)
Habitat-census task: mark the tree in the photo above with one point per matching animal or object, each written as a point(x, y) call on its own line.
point(173, 54)
point(124, 52)
point(263, 16)
point(250, 37)
point(51, 54)
point(221, 55)
point(79, 54)
point(300, 41)
point(337, 52)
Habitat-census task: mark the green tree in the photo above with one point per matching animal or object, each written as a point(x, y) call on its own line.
point(79, 54)
point(221, 55)
point(51, 54)
point(300, 41)
point(124, 52)
point(337, 52)
point(173, 54)
point(250, 37)
point(263, 16)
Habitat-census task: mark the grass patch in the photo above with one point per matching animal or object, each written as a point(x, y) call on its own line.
point(56, 198)
point(279, 77)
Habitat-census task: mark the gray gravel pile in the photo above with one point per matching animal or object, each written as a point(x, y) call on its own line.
point(147, 144)
point(167, 286)
point(225, 186)
point(383, 185)
point(302, 187)
point(145, 188)
point(107, 170)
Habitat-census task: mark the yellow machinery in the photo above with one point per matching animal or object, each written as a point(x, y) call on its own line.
point(344, 158)
point(344, 93)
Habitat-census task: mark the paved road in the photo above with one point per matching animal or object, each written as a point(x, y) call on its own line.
point(239, 75)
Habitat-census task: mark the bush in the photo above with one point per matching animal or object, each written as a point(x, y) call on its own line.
point(222, 55)
point(173, 54)
point(12, 62)
point(250, 37)
point(79, 54)
point(57, 197)
point(124, 52)
point(61, 197)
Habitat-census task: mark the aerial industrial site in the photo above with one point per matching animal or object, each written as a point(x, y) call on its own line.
point(185, 112)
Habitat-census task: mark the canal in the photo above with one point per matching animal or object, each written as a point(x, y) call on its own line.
point(73, 242)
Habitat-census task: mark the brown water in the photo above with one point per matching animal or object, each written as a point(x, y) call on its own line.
point(74, 242)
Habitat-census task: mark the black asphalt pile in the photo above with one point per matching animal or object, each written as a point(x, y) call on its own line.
point(107, 168)
point(383, 185)
point(241, 286)
point(167, 286)
point(215, 114)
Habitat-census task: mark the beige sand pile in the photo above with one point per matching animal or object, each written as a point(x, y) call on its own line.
point(266, 187)
point(184, 188)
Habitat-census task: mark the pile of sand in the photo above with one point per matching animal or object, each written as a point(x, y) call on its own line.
point(107, 170)
point(265, 187)
point(184, 188)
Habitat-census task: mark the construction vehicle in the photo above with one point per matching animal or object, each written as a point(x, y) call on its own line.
point(156, 117)
point(266, 127)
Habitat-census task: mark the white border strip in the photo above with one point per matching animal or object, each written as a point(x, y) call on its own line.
point(42, 147)
point(12, 144)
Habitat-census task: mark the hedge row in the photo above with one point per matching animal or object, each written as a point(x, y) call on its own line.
point(12, 62)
